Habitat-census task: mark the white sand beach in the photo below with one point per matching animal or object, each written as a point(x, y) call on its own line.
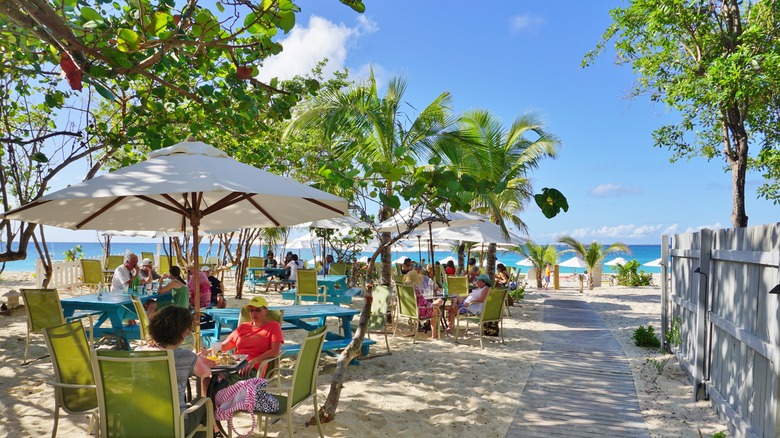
point(434, 387)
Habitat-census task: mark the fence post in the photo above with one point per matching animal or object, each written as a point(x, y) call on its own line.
point(665, 347)
point(702, 318)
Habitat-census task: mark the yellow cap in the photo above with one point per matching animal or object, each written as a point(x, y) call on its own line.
point(257, 302)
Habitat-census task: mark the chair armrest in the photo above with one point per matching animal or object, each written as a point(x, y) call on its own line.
point(276, 370)
point(71, 385)
point(208, 428)
point(194, 406)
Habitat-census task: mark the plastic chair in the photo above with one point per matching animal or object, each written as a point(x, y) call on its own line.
point(307, 287)
point(138, 396)
point(143, 321)
point(303, 384)
point(492, 311)
point(74, 383)
point(165, 265)
point(407, 308)
point(458, 285)
point(337, 269)
point(378, 319)
point(113, 262)
point(91, 273)
point(147, 255)
point(44, 310)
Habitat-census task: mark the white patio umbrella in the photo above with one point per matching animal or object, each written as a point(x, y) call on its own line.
point(187, 186)
point(616, 261)
point(400, 221)
point(525, 262)
point(399, 260)
point(335, 223)
point(448, 259)
point(574, 262)
point(654, 264)
point(301, 242)
point(480, 232)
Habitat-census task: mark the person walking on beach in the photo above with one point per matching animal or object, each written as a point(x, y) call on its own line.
point(547, 275)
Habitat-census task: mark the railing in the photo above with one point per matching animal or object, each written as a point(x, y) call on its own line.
point(64, 274)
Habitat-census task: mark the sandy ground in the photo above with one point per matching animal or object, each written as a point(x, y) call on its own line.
point(431, 387)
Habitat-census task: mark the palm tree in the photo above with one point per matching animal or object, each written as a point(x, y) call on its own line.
point(363, 129)
point(539, 255)
point(592, 254)
point(504, 156)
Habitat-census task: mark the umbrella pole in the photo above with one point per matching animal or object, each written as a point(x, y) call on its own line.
point(195, 272)
point(419, 249)
point(430, 246)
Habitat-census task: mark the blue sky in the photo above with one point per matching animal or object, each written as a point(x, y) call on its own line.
point(513, 57)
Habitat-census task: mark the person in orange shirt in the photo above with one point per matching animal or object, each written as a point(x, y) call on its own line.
point(547, 274)
point(260, 338)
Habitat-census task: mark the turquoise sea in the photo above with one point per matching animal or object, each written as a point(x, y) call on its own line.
point(641, 253)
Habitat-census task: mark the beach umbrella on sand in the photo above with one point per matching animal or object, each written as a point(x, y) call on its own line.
point(616, 261)
point(447, 259)
point(525, 262)
point(187, 186)
point(654, 264)
point(574, 262)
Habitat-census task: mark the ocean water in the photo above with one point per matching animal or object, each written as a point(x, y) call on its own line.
point(641, 253)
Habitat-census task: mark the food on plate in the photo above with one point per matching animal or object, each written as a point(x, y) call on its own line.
point(222, 358)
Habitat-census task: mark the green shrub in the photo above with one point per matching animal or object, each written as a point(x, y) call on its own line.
point(630, 275)
point(645, 337)
point(518, 293)
point(674, 337)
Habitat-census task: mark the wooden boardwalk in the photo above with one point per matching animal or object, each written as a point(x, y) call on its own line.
point(581, 385)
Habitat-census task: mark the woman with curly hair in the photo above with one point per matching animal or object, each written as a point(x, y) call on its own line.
point(167, 330)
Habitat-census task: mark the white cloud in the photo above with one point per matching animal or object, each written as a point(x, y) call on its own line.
point(306, 45)
point(525, 23)
point(381, 75)
point(614, 190)
point(714, 226)
point(626, 233)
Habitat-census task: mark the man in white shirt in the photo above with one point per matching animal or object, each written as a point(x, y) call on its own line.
point(124, 273)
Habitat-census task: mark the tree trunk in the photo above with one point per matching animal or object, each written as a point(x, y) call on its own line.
point(738, 164)
point(491, 260)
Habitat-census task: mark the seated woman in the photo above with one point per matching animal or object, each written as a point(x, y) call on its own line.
point(502, 276)
point(260, 338)
point(167, 330)
point(175, 292)
point(472, 303)
point(203, 284)
point(428, 281)
point(425, 309)
point(450, 268)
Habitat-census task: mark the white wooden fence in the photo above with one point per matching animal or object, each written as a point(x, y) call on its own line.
point(729, 322)
point(64, 274)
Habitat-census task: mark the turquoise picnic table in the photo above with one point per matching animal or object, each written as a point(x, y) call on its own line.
point(255, 276)
point(336, 289)
point(114, 307)
point(303, 317)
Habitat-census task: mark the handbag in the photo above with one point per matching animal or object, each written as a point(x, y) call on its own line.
point(246, 395)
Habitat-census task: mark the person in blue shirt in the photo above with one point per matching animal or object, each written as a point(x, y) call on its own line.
point(326, 266)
